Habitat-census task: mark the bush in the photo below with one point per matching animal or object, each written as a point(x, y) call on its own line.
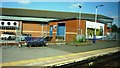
point(80, 38)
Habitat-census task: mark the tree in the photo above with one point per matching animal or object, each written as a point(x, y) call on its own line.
point(118, 30)
point(114, 28)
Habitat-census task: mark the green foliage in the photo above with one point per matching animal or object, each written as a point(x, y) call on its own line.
point(114, 28)
point(80, 38)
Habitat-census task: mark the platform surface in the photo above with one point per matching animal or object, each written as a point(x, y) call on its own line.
point(53, 55)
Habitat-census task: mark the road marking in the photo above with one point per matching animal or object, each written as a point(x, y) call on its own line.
point(61, 57)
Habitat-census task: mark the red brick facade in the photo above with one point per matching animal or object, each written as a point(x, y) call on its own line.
point(105, 29)
point(40, 29)
point(71, 29)
point(34, 28)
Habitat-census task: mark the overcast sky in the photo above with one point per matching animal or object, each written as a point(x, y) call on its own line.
point(109, 9)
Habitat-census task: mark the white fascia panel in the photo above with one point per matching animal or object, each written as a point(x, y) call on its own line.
point(90, 24)
point(27, 18)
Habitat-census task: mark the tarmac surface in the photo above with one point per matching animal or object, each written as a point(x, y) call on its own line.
point(10, 54)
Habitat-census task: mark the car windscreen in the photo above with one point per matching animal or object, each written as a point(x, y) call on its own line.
point(10, 33)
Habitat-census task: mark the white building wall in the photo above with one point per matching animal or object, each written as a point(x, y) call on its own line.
point(94, 25)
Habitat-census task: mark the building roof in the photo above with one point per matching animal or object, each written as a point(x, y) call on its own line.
point(52, 15)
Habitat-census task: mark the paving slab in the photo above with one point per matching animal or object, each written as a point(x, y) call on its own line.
point(16, 54)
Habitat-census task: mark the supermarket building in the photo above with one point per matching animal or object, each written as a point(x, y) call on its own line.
point(59, 25)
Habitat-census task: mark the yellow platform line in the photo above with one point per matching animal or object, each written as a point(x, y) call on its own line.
point(74, 59)
point(17, 63)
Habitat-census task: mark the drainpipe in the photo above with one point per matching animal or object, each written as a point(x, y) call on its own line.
point(46, 29)
point(42, 30)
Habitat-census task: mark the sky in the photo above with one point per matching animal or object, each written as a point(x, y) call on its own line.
point(109, 9)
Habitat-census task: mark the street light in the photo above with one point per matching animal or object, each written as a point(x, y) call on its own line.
point(79, 20)
point(96, 15)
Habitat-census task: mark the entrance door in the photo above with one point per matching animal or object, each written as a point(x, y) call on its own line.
point(51, 31)
point(61, 31)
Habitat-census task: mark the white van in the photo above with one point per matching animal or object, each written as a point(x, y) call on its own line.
point(8, 36)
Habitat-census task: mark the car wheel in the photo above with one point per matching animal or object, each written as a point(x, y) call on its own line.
point(45, 44)
point(5, 38)
point(27, 45)
point(2, 38)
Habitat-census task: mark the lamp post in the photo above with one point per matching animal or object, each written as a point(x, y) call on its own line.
point(79, 20)
point(96, 15)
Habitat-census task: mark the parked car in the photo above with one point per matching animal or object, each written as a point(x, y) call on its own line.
point(35, 41)
point(8, 36)
point(23, 36)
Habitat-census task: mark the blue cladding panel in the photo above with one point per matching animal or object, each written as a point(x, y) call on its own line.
point(61, 31)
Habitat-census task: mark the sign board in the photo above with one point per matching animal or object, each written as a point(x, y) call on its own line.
point(90, 24)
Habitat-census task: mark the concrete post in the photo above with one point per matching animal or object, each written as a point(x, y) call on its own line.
point(111, 32)
point(20, 29)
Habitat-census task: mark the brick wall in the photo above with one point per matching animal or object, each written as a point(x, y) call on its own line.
point(34, 28)
point(54, 30)
point(71, 29)
point(105, 29)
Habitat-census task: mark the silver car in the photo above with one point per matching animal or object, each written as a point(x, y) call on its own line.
point(23, 36)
